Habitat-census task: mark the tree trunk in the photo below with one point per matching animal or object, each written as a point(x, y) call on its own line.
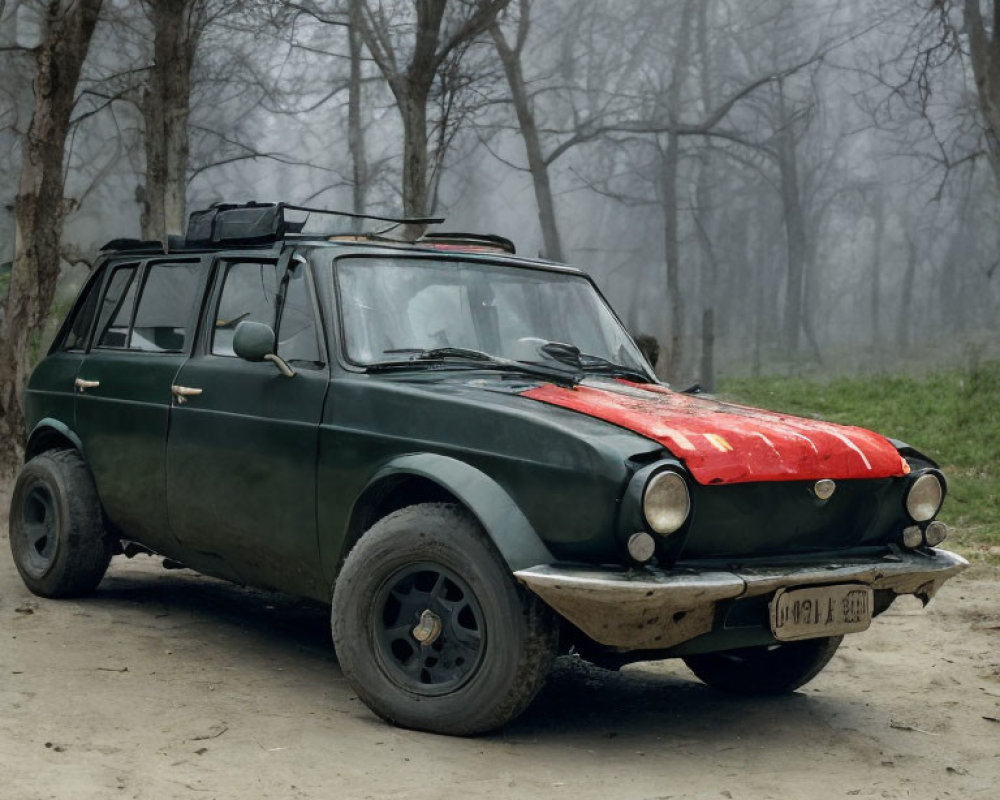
point(355, 131)
point(875, 300)
point(671, 255)
point(795, 228)
point(165, 111)
point(668, 194)
point(510, 58)
point(985, 53)
point(703, 218)
point(906, 296)
point(413, 109)
point(40, 209)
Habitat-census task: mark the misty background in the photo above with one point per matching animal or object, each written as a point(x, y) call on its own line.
point(765, 186)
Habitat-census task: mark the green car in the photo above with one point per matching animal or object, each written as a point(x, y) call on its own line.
point(465, 454)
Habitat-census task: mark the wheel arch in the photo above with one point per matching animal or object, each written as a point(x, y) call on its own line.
point(50, 434)
point(429, 477)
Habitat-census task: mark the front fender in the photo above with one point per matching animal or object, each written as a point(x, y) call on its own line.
point(496, 511)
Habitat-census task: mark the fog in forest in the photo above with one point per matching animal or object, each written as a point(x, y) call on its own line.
point(765, 186)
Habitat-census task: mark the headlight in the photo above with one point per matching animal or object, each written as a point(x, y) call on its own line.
point(924, 498)
point(666, 502)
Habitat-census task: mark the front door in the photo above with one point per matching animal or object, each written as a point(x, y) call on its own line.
point(242, 451)
point(145, 325)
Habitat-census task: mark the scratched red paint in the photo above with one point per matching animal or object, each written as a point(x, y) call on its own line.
point(727, 443)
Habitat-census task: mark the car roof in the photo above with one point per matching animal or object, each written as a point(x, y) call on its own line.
point(269, 229)
point(340, 247)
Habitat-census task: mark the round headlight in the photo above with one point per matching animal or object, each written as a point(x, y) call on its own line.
point(925, 497)
point(666, 502)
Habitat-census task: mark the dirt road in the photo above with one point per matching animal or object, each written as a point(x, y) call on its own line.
point(170, 685)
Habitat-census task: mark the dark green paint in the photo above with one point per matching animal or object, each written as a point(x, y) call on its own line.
point(261, 477)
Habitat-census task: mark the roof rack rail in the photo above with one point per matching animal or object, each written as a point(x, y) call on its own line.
point(263, 223)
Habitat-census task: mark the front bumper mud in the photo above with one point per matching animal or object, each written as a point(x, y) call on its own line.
point(653, 609)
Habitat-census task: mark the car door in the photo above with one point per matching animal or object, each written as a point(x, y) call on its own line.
point(241, 456)
point(145, 326)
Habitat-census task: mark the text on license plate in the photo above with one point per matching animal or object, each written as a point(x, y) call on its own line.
point(820, 611)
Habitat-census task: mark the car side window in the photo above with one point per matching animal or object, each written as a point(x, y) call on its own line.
point(298, 334)
point(116, 308)
point(153, 318)
point(249, 292)
point(161, 320)
point(79, 328)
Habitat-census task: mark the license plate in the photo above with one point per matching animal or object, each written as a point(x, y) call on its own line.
point(820, 611)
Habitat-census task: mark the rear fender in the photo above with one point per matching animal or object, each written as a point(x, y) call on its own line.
point(50, 433)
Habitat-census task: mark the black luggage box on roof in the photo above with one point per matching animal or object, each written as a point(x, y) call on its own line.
point(250, 223)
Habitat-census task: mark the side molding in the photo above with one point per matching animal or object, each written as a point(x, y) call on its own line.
point(501, 517)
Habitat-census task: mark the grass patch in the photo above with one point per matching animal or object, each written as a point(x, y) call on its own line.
point(953, 417)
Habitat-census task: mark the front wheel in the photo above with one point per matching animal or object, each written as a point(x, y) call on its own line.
point(765, 670)
point(431, 629)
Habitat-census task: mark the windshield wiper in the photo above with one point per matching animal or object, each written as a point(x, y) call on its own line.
point(443, 352)
point(570, 354)
point(597, 364)
point(473, 359)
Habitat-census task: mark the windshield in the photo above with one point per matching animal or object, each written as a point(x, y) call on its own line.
point(397, 308)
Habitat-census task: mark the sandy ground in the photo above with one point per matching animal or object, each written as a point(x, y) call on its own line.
point(171, 685)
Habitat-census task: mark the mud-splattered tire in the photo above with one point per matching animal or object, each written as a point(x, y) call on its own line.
point(767, 670)
point(57, 533)
point(429, 573)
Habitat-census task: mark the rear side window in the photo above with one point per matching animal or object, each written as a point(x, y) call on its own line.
point(83, 316)
point(168, 296)
point(116, 308)
point(152, 315)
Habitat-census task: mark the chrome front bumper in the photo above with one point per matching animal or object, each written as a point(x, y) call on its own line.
point(652, 609)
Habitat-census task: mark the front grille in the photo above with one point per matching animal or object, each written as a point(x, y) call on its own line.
point(759, 519)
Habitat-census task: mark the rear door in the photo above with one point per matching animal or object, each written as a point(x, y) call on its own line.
point(241, 456)
point(145, 326)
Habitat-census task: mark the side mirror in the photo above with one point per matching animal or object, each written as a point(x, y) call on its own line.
point(254, 341)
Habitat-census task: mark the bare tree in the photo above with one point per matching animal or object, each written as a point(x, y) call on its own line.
point(66, 32)
point(510, 58)
point(435, 30)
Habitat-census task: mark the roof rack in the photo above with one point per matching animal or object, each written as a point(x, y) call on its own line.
point(262, 224)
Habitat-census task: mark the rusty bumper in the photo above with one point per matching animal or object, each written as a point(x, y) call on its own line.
point(649, 608)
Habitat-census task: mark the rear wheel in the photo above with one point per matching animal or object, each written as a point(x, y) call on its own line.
point(770, 669)
point(431, 629)
point(57, 534)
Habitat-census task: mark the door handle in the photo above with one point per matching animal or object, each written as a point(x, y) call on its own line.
point(83, 385)
point(182, 393)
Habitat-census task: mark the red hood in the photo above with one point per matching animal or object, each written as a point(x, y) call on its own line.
point(726, 443)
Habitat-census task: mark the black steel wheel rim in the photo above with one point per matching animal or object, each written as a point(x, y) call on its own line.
point(39, 529)
point(434, 602)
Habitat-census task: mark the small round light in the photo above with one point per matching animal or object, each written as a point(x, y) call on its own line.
point(825, 488)
point(913, 537)
point(924, 497)
point(641, 547)
point(666, 502)
point(936, 533)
